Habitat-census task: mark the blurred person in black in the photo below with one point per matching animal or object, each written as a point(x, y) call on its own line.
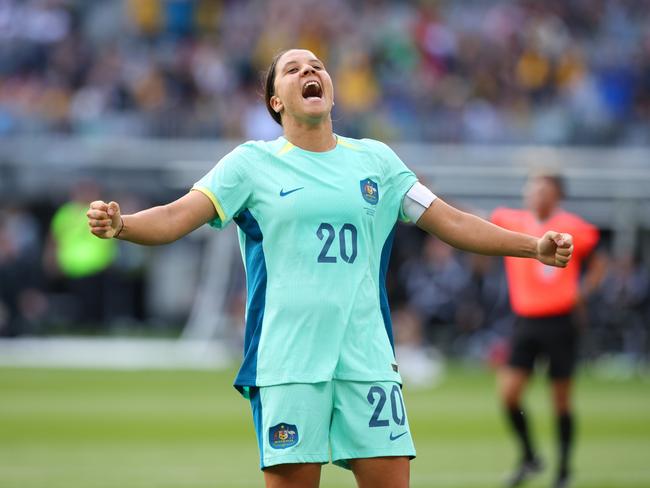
point(484, 311)
point(22, 301)
point(544, 300)
point(625, 293)
point(432, 283)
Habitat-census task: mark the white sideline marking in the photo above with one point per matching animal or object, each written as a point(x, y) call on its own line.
point(113, 353)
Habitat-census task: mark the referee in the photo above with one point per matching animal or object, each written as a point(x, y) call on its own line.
point(543, 299)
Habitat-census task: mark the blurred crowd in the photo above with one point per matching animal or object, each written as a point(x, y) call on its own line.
point(57, 278)
point(524, 71)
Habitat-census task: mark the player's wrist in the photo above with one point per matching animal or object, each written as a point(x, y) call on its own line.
point(538, 249)
point(119, 229)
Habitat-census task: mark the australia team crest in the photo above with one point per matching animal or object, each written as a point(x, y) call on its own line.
point(369, 191)
point(282, 436)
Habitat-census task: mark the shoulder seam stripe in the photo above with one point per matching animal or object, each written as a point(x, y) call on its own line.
point(285, 149)
point(347, 144)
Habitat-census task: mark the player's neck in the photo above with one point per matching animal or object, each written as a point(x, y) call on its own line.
point(317, 138)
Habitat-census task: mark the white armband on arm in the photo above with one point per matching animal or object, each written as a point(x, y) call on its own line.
point(416, 201)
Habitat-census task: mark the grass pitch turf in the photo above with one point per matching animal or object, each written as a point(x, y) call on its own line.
point(100, 429)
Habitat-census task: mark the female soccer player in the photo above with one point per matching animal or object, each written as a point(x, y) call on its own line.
point(316, 214)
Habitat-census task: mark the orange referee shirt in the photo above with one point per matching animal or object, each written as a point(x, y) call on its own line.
point(538, 290)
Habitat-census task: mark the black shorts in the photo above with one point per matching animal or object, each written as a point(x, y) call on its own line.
point(552, 338)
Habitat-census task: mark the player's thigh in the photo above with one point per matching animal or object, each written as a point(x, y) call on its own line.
point(382, 472)
point(292, 422)
point(369, 420)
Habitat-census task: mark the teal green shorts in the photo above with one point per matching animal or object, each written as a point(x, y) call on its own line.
point(305, 422)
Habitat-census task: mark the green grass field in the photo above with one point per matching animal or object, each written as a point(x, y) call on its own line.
point(91, 429)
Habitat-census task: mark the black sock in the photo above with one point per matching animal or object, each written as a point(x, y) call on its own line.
point(520, 427)
point(565, 432)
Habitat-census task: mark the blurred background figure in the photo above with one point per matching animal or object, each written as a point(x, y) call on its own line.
point(23, 303)
point(626, 293)
point(544, 300)
point(81, 265)
point(484, 316)
point(432, 283)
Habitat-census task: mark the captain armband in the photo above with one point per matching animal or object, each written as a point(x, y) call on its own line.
point(416, 201)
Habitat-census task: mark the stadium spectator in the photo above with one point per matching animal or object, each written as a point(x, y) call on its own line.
point(318, 326)
point(543, 299)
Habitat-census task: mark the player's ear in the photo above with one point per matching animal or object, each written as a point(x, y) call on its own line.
point(276, 104)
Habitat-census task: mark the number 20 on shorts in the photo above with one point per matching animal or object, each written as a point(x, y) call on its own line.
point(377, 395)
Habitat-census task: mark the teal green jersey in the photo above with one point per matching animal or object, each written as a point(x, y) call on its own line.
point(315, 230)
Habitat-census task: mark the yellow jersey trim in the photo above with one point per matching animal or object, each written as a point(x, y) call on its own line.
point(286, 148)
point(213, 199)
point(347, 144)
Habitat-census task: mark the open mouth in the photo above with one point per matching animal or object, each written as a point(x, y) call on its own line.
point(311, 90)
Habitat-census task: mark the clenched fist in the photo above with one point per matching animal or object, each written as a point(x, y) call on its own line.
point(555, 249)
point(104, 219)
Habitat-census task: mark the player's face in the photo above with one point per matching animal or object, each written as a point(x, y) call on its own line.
point(303, 88)
point(541, 195)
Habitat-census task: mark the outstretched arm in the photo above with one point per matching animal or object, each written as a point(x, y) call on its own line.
point(471, 233)
point(156, 225)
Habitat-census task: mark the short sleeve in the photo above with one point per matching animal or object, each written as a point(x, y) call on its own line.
point(398, 177)
point(227, 186)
